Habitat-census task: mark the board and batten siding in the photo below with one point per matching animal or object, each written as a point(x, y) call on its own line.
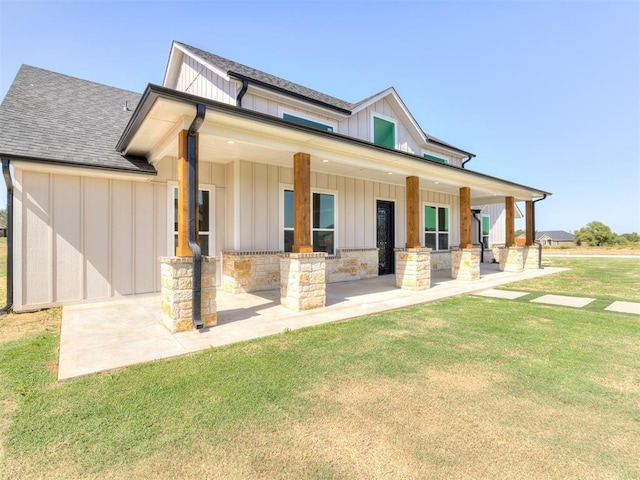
point(196, 79)
point(80, 238)
point(497, 226)
point(260, 219)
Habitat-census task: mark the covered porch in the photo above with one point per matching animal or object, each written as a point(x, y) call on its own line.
point(101, 336)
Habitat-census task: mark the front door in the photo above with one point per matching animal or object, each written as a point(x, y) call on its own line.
point(385, 242)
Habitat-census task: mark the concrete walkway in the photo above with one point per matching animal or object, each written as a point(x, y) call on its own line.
point(102, 336)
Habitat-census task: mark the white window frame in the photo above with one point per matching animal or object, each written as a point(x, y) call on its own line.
point(171, 186)
point(437, 232)
point(306, 116)
point(287, 186)
point(486, 244)
point(388, 119)
point(426, 152)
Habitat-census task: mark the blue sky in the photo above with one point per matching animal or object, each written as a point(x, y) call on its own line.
point(545, 93)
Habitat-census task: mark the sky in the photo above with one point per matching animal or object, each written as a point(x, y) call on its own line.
point(546, 94)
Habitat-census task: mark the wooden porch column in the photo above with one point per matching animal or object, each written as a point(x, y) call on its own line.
point(509, 210)
point(529, 229)
point(183, 250)
point(413, 212)
point(465, 218)
point(302, 203)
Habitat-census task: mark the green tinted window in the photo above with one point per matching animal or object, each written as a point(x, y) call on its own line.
point(308, 123)
point(430, 219)
point(384, 132)
point(485, 225)
point(288, 209)
point(435, 159)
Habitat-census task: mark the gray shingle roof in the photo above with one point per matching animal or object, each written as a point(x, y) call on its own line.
point(557, 235)
point(230, 66)
point(55, 117)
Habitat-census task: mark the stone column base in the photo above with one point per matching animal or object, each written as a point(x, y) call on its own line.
point(176, 292)
point(511, 259)
point(413, 268)
point(531, 257)
point(465, 264)
point(303, 281)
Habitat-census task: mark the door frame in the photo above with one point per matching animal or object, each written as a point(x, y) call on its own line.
point(392, 231)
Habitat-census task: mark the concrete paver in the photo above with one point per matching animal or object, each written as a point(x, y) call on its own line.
point(624, 307)
point(506, 294)
point(104, 335)
point(563, 300)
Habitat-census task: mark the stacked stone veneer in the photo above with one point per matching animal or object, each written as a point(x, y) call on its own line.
point(530, 257)
point(303, 280)
point(441, 260)
point(511, 259)
point(177, 294)
point(465, 264)
point(245, 272)
point(413, 268)
point(352, 264)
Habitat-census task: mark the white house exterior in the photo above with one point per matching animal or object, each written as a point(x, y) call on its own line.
point(96, 175)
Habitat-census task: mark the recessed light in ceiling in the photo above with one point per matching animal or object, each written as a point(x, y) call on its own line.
point(325, 161)
point(389, 173)
point(436, 183)
point(230, 142)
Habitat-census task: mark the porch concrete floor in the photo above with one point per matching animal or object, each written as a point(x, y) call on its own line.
point(101, 336)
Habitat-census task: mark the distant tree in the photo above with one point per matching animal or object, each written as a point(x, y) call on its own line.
point(3, 217)
point(595, 234)
point(632, 237)
point(519, 232)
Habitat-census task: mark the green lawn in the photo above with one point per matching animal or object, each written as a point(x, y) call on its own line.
point(467, 387)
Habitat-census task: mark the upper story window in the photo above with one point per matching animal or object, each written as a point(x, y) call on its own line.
point(384, 131)
point(434, 158)
point(307, 120)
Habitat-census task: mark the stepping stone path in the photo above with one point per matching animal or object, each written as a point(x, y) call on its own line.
point(562, 300)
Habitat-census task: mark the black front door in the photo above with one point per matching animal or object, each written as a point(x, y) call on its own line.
point(385, 241)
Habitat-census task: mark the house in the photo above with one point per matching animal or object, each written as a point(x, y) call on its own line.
point(237, 178)
point(555, 238)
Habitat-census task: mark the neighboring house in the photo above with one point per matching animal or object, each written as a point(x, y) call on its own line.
point(96, 169)
point(555, 238)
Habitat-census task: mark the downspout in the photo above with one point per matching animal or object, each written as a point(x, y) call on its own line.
point(467, 160)
point(243, 90)
point(192, 205)
point(476, 212)
point(9, 183)
point(533, 226)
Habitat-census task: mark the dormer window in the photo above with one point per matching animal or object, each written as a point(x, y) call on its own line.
point(384, 131)
point(306, 120)
point(434, 158)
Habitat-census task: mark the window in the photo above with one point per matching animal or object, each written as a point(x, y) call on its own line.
point(436, 227)
point(323, 231)
point(434, 158)
point(384, 132)
point(204, 220)
point(485, 230)
point(307, 122)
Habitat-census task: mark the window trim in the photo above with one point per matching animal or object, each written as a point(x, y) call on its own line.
point(388, 119)
point(437, 232)
point(288, 186)
point(171, 185)
point(430, 156)
point(305, 116)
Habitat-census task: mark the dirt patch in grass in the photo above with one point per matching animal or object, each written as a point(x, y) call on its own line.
point(15, 326)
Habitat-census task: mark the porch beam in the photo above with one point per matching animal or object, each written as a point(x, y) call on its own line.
point(413, 212)
point(465, 218)
point(183, 250)
point(529, 230)
point(302, 203)
point(510, 209)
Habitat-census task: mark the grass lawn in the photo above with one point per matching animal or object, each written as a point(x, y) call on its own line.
point(468, 387)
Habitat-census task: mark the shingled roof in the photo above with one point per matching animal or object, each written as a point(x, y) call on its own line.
point(47, 116)
point(231, 67)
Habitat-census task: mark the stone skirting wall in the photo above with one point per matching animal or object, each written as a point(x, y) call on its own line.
point(413, 268)
point(176, 292)
point(465, 264)
point(352, 264)
point(303, 280)
point(245, 272)
point(440, 260)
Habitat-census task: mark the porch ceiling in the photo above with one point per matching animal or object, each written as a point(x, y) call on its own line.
point(229, 134)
